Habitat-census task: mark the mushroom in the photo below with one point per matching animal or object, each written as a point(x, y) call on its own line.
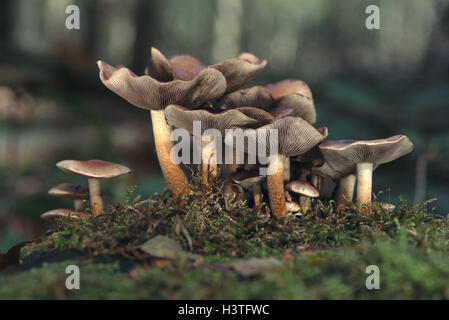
point(180, 117)
point(292, 206)
point(281, 99)
point(346, 183)
point(94, 171)
point(67, 213)
point(181, 80)
point(306, 191)
point(150, 94)
point(294, 136)
point(364, 156)
point(248, 179)
point(71, 191)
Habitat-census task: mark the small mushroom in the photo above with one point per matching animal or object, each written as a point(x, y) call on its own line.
point(306, 191)
point(67, 213)
point(94, 171)
point(364, 156)
point(292, 206)
point(248, 179)
point(71, 191)
point(346, 183)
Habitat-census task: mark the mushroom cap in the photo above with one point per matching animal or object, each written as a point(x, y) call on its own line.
point(181, 117)
point(246, 179)
point(159, 67)
point(68, 213)
point(289, 99)
point(256, 96)
point(302, 187)
point(326, 171)
point(294, 136)
point(344, 155)
point(98, 169)
point(295, 105)
point(185, 67)
point(289, 86)
point(313, 156)
point(150, 94)
point(69, 191)
point(292, 206)
point(239, 71)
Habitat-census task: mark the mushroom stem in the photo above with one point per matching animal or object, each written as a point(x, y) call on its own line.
point(208, 161)
point(287, 171)
point(345, 192)
point(79, 205)
point(364, 185)
point(173, 174)
point(317, 182)
point(227, 185)
point(95, 196)
point(305, 203)
point(275, 185)
point(257, 195)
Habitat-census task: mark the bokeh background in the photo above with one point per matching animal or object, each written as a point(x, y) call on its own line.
point(367, 84)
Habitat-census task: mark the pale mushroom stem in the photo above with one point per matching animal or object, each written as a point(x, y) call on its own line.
point(305, 203)
point(208, 161)
point(345, 192)
point(173, 174)
point(275, 185)
point(95, 196)
point(257, 195)
point(364, 185)
point(79, 205)
point(287, 171)
point(227, 185)
point(317, 182)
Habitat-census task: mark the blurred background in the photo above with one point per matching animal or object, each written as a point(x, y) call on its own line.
point(367, 84)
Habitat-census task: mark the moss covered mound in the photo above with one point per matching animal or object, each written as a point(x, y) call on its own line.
point(323, 254)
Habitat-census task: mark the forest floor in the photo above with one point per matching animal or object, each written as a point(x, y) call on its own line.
point(208, 246)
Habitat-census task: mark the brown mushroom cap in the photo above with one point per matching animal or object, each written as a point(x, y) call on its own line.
point(256, 96)
point(68, 213)
point(295, 105)
point(239, 71)
point(287, 87)
point(185, 67)
point(98, 169)
point(181, 117)
point(292, 206)
point(147, 93)
point(246, 179)
point(159, 67)
point(295, 136)
point(302, 187)
point(345, 154)
point(69, 191)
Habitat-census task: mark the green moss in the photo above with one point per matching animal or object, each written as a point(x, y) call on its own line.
point(331, 250)
point(406, 272)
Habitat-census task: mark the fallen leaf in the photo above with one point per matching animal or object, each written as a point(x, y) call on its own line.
point(163, 247)
point(256, 266)
point(12, 257)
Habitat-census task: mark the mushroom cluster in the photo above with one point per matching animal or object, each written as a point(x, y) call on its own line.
point(94, 171)
point(181, 90)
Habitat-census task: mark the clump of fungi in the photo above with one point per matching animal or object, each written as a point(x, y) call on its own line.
point(180, 90)
point(94, 171)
